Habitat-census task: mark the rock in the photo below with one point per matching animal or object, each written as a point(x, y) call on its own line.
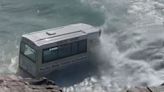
point(146, 89)
point(162, 84)
point(12, 83)
point(42, 81)
point(138, 90)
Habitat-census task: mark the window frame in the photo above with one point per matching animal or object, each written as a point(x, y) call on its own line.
point(64, 47)
point(71, 54)
point(22, 50)
point(44, 56)
point(81, 43)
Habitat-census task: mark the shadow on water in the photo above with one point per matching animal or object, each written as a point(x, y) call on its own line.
point(73, 74)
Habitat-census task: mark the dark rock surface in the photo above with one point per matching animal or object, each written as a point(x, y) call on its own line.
point(12, 83)
point(146, 89)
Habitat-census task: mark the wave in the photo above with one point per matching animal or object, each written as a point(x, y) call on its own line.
point(131, 46)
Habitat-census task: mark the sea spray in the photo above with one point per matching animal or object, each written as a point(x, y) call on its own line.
point(130, 47)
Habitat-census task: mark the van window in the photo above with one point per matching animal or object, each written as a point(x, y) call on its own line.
point(82, 46)
point(50, 54)
point(65, 50)
point(29, 52)
point(74, 48)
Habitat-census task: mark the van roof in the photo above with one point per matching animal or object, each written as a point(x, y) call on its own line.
point(60, 33)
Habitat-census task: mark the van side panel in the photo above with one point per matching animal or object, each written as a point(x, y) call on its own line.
point(61, 63)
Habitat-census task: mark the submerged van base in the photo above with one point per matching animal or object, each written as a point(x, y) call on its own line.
point(25, 74)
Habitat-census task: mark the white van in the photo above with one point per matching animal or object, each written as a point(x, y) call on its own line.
point(44, 51)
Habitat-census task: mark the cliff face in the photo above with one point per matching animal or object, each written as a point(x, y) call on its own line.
point(12, 83)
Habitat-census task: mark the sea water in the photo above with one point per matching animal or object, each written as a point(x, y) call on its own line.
point(130, 51)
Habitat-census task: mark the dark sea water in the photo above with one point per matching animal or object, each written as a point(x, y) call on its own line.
point(130, 51)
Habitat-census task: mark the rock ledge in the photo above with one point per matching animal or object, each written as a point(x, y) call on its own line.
point(12, 83)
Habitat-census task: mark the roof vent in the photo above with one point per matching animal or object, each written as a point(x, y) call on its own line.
point(50, 33)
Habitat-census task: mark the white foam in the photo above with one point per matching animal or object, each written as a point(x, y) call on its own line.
point(130, 46)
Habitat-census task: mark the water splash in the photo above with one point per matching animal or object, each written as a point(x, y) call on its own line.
point(13, 66)
point(131, 48)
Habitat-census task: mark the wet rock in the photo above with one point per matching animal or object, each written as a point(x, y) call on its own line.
point(11, 83)
point(162, 84)
point(42, 81)
point(146, 89)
